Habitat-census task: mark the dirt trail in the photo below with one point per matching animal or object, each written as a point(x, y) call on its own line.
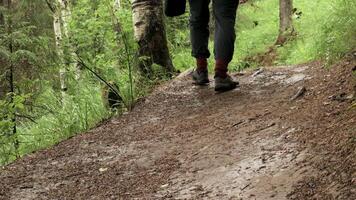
point(186, 142)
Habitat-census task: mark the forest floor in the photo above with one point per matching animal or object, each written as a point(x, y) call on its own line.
point(187, 142)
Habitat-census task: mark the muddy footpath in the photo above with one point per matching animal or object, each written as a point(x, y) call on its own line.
point(289, 132)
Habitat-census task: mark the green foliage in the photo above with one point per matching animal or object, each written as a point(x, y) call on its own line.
point(46, 116)
point(339, 31)
point(54, 121)
point(179, 42)
point(326, 31)
point(80, 112)
point(257, 28)
point(10, 108)
point(18, 46)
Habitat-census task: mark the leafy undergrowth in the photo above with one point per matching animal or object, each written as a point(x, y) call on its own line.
point(324, 30)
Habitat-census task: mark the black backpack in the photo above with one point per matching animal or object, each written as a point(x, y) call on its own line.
point(173, 8)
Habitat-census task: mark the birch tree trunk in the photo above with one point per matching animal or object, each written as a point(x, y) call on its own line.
point(117, 4)
point(61, 16)
point(150, 35)
point(69, 54)
point(59, 48)
point(285, 20)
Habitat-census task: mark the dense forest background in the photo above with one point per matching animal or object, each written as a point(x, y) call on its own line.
point(59, 60)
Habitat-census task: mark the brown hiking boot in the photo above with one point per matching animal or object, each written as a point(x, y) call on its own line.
point(200, 77)
point(225, 84)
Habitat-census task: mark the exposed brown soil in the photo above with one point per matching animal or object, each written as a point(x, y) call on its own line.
point(186, 142)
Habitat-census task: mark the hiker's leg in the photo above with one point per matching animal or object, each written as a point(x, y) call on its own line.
point(225, 17)
point(199, 31)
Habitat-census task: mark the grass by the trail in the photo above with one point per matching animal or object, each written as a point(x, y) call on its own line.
point(325, 30)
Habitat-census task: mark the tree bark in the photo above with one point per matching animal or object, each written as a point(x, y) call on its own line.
point(150, 35)
point(10, 78)
point(59, 47)
point(285, 21)
point(2, 18)
point(69, 53)
point(2, 63)
point(117, 4)
point(61, 13)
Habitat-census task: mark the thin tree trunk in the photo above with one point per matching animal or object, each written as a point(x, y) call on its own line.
point(117, 4)
point(65, 13)
point(2, 70)
point(285, 20)
point(69, 53)
point(59, 48)
point(2, 19)
point(11, 82)
point(150, 35)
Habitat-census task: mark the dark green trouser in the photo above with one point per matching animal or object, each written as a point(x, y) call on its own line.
point(225, 15)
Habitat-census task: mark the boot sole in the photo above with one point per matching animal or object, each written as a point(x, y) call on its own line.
point(225, 89)
point(203, 82)
point(200, 83)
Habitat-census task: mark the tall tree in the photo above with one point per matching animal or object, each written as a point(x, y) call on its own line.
point(68, 47)
point(61, 16)
point(150, 35)
point(285, 20)
point(1, 14)
point(2, 22)
point(10, 76)
point(56, 9)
